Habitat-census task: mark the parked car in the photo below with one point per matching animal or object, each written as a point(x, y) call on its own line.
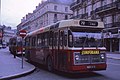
point(0, 46)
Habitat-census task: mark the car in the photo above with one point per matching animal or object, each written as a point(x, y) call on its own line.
point(0, 46)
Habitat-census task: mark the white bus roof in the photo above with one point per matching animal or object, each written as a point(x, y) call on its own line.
point(68, 23)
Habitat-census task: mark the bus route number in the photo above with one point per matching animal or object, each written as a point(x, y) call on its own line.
point(88, 23)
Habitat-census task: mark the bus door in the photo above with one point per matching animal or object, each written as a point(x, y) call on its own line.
point(42, 47)
point(61, 51)
point(33, 48)
point(58, 48)
point(27, 48)
point(55, 48)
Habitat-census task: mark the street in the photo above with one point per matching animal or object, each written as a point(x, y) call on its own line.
point(112, 73)
point(65, 35)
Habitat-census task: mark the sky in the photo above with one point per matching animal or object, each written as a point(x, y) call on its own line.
point(12, 11)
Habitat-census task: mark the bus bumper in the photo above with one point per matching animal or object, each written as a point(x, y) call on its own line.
point(87, 67)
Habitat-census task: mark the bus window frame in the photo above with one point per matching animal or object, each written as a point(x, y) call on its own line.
point(70, 36)
point(27, 42)
point(65, 37)
point(33, 41)
point(56, 38)
point(51, 38)
point(39, 41)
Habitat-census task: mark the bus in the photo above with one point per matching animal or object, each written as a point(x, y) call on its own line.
point(68, 45)
point(15, 45)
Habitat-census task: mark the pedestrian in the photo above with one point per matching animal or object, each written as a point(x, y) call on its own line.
point(14, 49)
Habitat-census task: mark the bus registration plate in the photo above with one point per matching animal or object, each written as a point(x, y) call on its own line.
point(91, 67)
point(90, 52)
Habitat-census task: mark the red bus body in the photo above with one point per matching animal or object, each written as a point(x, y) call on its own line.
point(56, 48)
point(15, 45)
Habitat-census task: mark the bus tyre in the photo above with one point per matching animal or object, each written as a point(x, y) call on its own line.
point(49, 64)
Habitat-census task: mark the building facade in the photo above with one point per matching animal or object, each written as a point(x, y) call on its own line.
point(107, 11)
point(7, 33)
point(47, 12)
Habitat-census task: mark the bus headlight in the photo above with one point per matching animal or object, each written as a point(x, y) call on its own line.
point(102, 56)
point(76, 57)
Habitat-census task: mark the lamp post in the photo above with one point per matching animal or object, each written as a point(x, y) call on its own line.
point(1, 35)
point(22, 33)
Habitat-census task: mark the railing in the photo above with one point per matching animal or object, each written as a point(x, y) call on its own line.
point(110, 25)
point(111, 5)
point(92, 12)
point(73, 4)
point(84, 16)
point(78, 2)
point(80, 16)
point(77, 16)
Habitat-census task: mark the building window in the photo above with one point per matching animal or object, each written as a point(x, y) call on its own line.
point(55, 15)
point(66, 9)
point(36, 25)
point(77, 11)
point(103, 2)
point(85, 10)
point(66, 17)
point(55, 18)
point(114, 18)
point(105, 20)
point(55, 8)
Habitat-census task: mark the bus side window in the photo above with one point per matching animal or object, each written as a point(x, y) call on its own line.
point(65, 37)
point(61, 38)
point(39, 41)
point(42, 39)
point(70, 39)
point(46, 38)
point(33, 41)
point(55, 38)
point(50, 38)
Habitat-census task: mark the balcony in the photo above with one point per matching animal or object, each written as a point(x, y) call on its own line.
point(93, 14)
point(80, 16)
point(76, 17)
point(76, 4)
point(108, 8)
point(111, 25)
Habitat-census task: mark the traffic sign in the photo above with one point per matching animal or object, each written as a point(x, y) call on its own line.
point(23, 33)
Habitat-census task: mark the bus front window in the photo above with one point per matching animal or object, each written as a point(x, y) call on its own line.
point(84, 39)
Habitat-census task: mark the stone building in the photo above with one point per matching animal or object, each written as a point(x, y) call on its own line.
point(47, 12)
point(7, 33)
point(107, 11)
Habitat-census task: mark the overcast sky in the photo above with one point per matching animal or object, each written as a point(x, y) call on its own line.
point(12, 11)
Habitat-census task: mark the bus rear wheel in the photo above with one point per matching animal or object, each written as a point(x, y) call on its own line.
point(49, 64)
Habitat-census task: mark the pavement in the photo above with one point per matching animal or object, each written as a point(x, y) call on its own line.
point(11, 67)
point(113, 55)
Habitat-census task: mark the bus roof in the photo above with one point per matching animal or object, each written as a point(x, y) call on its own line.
point(69, 23)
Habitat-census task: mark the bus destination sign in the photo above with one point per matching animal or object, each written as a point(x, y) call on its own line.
point(90, 52)
point(88, 23)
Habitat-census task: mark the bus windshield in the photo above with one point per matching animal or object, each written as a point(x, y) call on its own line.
point(87, 39)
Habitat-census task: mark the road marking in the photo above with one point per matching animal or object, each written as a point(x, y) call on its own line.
point(113, 64)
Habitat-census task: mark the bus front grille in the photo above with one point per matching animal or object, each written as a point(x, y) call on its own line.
point(88, 59)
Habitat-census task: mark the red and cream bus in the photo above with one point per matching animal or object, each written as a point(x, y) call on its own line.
point(15, 45)
point(68, 45)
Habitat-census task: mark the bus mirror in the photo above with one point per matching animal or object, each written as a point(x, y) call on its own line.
point(70, 37)
point(118, 31)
